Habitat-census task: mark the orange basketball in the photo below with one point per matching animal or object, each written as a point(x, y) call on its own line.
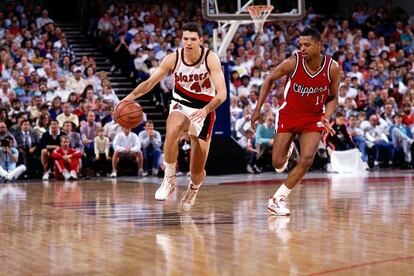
point(128, 114)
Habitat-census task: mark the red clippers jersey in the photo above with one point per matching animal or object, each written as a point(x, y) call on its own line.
point(305, 92)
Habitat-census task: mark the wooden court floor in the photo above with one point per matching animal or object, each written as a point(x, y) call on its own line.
point(353, 225)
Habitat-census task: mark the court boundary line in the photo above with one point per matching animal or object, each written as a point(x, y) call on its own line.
point(361, 265)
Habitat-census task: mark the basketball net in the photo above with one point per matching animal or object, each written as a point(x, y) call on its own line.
point(259, 14)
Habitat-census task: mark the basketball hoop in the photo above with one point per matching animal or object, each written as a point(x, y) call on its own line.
point(259, 14)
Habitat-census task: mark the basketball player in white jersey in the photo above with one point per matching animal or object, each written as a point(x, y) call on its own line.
point(199, 88)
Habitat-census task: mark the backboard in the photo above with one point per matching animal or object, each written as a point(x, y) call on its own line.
point(226, 10)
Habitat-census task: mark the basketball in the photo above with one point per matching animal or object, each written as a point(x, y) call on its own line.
point(128, 114)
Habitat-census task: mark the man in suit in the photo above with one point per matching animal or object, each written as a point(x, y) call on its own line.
point(27, 144)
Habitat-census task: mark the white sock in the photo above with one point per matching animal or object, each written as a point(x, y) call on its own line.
point(169, 169)
point(194, 186)
point(282, 191)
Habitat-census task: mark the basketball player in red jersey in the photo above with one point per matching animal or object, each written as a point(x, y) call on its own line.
point(199, 88)
point(310, 99)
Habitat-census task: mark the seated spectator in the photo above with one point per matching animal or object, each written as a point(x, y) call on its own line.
point(111, 129)
point(76, 83)
point(48, 143)
point(151, 147)
point(247, 143)
point(67, 116)
point(402, 137)
point(74, 137)
point(88, 132)
point(56, 108)
point(126, 144)
point(66, 160)
point(242, 124)
point(358, 136)
point(42, 125)
point(408, 116)
point(45, 94)
point(16, 108)
point(89, 95)
point(73, 101)
point(264, 140)
point(184, 154)
point(5, 133)
point(8, 160)
point(101, 146)
point(376, 138)
point(62, 91)
point(27, 144)
point(34, 109)
point(108, 96)
point(342, 139)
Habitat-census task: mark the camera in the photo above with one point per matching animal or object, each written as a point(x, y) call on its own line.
point(5, 143)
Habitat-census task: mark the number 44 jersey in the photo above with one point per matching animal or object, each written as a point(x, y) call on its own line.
point(192, 84)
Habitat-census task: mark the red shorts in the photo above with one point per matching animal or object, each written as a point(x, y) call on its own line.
point(291, 123)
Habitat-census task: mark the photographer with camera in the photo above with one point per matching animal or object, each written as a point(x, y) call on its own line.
point(8, 159)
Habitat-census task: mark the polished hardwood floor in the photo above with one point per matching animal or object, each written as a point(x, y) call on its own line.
point(340, 225)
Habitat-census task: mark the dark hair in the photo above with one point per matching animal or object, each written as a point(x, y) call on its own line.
point(64, 137)
point(84, 92)
point(312, 32)
point(339, 114)
point(192, 27)
point(24, 121)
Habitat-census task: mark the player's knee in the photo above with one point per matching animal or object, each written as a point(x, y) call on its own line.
point(305, 161)
point(278, 162)
point(173, 132)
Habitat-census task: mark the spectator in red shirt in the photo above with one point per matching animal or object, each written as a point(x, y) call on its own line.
point(408, 116)
point(66, 160)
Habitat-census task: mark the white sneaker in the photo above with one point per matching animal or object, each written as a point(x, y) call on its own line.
point(167, 186)
point(277, 206)
point(282, 169)
point(73, 175)
point(113, 175)
point(188, 198)
point(249, 169)
point(66, 175)
point(45, 176)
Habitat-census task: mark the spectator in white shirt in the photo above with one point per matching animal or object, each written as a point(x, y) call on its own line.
point(43, 20)
point(126, 144)
point(67, 116)
point(376, 137)
point(62, 91)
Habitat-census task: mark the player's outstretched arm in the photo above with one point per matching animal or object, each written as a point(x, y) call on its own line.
point(217, 77)
point(332, 101)
point(144, 87)
point(284, 68)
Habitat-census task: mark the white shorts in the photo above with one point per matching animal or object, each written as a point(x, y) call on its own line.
point(203, 129)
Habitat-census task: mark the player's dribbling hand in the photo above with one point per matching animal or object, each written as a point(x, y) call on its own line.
point(198, 115)
point(255, 117)
point(327, 126)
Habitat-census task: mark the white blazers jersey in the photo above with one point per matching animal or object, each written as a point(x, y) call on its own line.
point(192, 84)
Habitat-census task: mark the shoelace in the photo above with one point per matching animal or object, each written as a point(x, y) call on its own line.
point(169, 181)
point(189, 194)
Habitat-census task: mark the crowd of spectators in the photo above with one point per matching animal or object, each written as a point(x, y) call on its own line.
point(56, 109)
point(374, 47)
point(43, 87)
